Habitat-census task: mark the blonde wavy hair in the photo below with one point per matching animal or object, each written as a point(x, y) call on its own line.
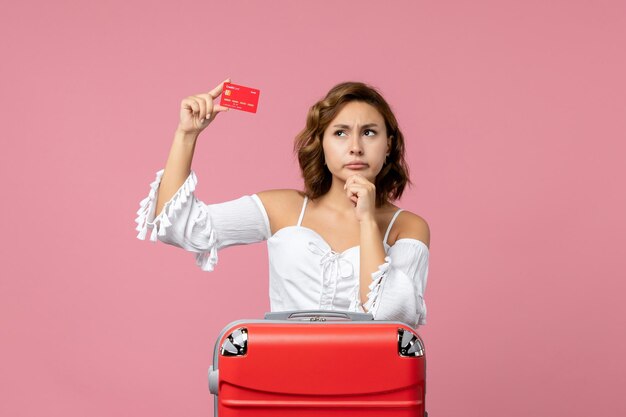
point(393, 177)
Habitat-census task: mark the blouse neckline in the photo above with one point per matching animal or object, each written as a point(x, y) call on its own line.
point(330, 249)
point(321, 238)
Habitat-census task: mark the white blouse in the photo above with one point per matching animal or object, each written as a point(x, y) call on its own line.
point(304, 272)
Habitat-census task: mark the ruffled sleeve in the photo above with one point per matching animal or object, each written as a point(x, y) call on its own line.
point(397, 288)
point(201, 228)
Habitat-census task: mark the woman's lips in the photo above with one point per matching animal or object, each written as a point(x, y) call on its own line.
point(356, 166)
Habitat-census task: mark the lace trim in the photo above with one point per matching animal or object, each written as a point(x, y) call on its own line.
point(371, 305)
point(147, 207)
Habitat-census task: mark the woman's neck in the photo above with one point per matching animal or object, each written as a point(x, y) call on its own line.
point(336, 198)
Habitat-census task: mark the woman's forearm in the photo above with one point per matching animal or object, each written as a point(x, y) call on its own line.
point(177, 167)
point(372, 255)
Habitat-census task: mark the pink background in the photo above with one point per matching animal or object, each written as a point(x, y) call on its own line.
point(515, 118)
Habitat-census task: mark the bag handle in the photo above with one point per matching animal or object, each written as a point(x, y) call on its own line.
point(319, 315)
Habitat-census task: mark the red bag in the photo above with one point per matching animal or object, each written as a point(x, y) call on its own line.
point(318, 363)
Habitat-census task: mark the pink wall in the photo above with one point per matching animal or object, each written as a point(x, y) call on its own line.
point(515, 118)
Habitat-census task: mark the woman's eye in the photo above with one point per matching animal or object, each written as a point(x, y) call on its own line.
point(339, 132)
point(372, 132)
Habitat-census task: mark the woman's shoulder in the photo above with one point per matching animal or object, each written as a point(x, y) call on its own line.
point(409, 225)
point(282, 206)
point(280, 197)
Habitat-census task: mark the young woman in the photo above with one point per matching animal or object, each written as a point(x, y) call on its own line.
point(340, 244)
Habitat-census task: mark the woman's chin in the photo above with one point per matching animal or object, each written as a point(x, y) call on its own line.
point(343, 176)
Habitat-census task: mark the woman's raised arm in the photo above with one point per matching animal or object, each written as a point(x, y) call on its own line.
point(196, 113)
point(179, 218)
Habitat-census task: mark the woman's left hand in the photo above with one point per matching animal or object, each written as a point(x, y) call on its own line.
point(362, 193)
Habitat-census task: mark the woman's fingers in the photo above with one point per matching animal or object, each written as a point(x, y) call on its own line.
point(354, 190)
point(207, 99)
point(357, 186)
point(199, 110)
point(218, 90)
point(202, 103)
point(190, 104)
point(355, 178)
point(218, 108)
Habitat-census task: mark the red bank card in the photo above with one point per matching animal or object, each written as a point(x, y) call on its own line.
point(240, 97)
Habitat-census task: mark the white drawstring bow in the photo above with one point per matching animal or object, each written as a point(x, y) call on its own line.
point(334, 267)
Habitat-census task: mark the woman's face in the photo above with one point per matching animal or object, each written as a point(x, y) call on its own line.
point(356, 142)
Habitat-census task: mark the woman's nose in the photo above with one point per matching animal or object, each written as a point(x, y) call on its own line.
point(355, 147)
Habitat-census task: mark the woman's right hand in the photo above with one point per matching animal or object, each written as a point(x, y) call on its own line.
point(198, 111)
